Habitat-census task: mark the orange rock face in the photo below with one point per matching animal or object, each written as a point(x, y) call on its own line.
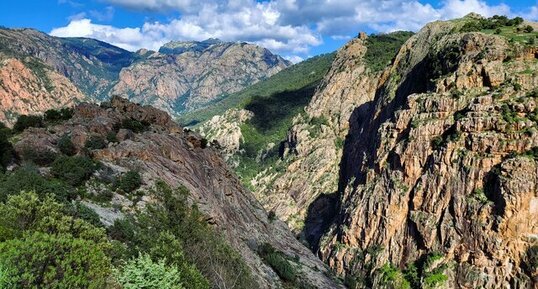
point(23, 91)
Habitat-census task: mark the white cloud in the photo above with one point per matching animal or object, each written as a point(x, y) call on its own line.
point(289, 27)
point(294, 58)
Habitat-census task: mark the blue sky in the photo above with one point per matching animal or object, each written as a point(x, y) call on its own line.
point(296, 29)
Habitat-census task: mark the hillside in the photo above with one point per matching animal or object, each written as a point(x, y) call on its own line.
point(302, 75)
point(107, 190)
point(185, 76)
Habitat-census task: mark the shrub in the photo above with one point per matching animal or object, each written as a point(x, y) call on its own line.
point(279, 263)
point(28, 179)
point(271, 216)
point(74, 170)
point(66, 146)
point(48, 261)
point(528, 29)
point(38, 156)
point(134, 125)
point(87, 214)
point(142, 272)
point(53, 115)
point(130, 181)
point(112, 137)
point(26, 121)
point(7, 152)
point(171, 223)
point(437, 142)
point(95, 142)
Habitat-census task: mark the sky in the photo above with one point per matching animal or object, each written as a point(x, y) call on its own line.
point(295, 29)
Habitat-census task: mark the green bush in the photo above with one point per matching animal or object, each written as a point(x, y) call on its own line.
point(66, 146)
point(95, 142)
point(53, 115)
point(143, 273)
point(26, 121)
point(38, 156)
point(171, 224)
point(74, 170)
point(528, 29)
point(130, 181)
point(28, 179)
point(112, 137)
point(87, 214)
point(44, 247)
point(47, 261)
point(279, 263)
point(134, 125)
point(7, 152)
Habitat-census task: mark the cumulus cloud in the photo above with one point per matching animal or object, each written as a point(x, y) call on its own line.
point(288, 27)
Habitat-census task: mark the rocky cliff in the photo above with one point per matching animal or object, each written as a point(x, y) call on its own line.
point(421, 173)
point(163, 151)
point(188, 75)
point(438, 175)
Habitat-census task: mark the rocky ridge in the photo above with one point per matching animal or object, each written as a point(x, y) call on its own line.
point(165, 152)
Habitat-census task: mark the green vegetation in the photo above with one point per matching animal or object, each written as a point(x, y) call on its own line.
point(26, 121)
point(382, 48)
point(95, 142)
point(66, 146)
point(27, 178)
point(167, 243)
point(43, 247)
point(281, 264)
point(392, 276)
point(134, 125)
point(142, 272)
point(73, 170)
point(129, 182)
point(39, 156)
point(53, 115)
point(503, 26)
point(7, 152)
point(293, 79)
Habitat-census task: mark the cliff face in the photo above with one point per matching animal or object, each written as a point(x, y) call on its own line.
point(91, 65)
point(438, 171)
point(188, 75)
point(313, 148)
point(165, 152)
point(27, 87)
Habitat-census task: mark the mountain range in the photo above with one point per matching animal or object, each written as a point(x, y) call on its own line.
point(180, 77)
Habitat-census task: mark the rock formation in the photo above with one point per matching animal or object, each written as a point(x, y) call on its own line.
point(188, 75)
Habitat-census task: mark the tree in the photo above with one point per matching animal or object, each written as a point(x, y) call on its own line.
point(26, 121)
point(142, 273)
point(95, 142)
point(130, 181)
point(74, 170)
point(529, 29)
point(66, 146)
point(54, 261)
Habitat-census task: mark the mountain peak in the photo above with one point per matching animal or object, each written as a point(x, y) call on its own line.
point(178, 47)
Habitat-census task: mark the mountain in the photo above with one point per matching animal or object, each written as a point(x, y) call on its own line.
point(414, 164)
point(131, 173)
point(182, 76)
